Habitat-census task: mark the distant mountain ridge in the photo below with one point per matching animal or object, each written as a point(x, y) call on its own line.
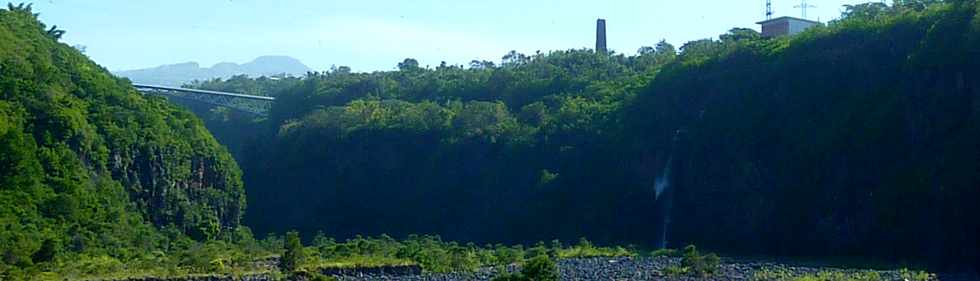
point(182, 73)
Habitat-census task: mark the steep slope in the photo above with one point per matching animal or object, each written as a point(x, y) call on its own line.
point(860, 139)
point(483, 154)
point(854, 140)
point(89, 165)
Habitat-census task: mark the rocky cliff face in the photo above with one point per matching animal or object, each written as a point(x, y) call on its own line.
point(196, 191)
point(841, 143)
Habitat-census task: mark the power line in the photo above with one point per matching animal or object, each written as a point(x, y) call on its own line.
point(803, 6)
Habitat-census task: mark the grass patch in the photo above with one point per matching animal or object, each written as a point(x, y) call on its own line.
point(248, 256)
point(435, 255)
point(585, 249)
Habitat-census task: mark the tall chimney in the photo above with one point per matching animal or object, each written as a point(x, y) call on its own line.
point(600, 36)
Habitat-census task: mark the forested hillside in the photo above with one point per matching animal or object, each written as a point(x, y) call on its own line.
point(91, 170)
point(480, 153)
point(860, 139)
point(855, 139)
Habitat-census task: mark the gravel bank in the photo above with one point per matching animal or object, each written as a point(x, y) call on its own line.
point(616, 269)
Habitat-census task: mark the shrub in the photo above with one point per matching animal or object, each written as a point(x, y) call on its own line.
point(463, 259)
point(768, 274)
point(665, 253)
point(97, 265)
point(584, 243)
point(915, 275)
point(47, 252)
point(692, 262)
point(674, 270)
point(540, 268)
point(217, 265)
point(585, 249)
point(293, 255)
point(508, 255)
point(699, 264)
point(555, 249)
point(538, 249)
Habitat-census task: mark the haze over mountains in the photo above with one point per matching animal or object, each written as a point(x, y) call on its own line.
point(182, 73)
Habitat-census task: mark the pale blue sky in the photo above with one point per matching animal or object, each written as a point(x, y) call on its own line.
point(375, 35)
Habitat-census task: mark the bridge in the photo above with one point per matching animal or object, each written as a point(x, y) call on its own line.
point(258, 105)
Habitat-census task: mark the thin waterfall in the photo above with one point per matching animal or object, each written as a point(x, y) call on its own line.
point(663, 181)
point(662, 185)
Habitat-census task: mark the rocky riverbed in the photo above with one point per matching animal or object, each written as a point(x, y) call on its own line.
point(596, 269)
point(615, 269)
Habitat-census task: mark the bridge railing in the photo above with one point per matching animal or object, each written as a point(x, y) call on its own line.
point(203, 92)
point(258, 105)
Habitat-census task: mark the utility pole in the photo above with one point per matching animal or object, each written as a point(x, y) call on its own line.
point(768, 9)
point(803, 6)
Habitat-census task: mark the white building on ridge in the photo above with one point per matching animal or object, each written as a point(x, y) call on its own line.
point(783, 26)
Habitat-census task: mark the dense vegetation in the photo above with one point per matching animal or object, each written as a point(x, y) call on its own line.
point(91, 172)
point(470, 151)
point(859, 139)
point(854, 139)
point(435, 255)
point(783, 275)
point(99, 181)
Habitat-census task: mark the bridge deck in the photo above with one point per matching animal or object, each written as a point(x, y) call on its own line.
point(204, 92)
